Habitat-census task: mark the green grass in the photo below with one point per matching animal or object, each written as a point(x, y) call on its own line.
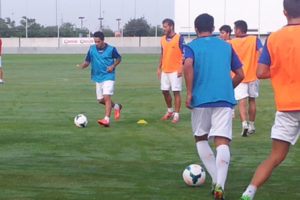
point(44, 156)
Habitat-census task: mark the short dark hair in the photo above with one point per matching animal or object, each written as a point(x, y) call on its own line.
point(99, 34)
point(204, 22)
point(242, 25)
point(169, 21)
point(292, 8)
point(226, 28)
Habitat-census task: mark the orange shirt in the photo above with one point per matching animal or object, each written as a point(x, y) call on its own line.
point(284, 50)
point(171, 54)
point(245, 48)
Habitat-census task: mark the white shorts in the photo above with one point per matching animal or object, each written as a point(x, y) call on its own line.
point(286, 126)
point(214, 121)
point(170, 81)
point(104, 88)
point(244, 90)
point(0, 62)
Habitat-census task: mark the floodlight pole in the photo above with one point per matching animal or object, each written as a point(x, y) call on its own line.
point(58, 43)
point(118, 20)
point(81, 22)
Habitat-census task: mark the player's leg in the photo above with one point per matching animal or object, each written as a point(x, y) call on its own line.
point(1, 72)
point(252, 114)
point(253, 93)
point(279, 151)
point(241, 94)
point(165, 86)
point(221, 130)
point(176, 84)
point(104, 91)
point(201, 126)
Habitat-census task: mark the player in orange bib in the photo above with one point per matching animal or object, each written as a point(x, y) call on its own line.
point(169, 69)
point(247, 47)
point(280, 62)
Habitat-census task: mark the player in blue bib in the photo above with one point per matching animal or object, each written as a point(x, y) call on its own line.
point(104, 60)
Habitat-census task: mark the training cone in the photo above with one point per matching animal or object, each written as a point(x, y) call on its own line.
point(141, 121)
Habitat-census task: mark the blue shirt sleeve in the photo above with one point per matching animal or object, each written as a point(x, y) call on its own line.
point(258, 44)
point(188, 52)
point(115, 53)
point(264, 57)
point(88, 57)
point(235, 61)
point(181, 43)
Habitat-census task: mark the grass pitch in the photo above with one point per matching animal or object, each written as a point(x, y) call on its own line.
point(44, 156)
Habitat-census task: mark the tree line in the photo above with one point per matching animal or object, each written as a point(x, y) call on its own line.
point(134, 27)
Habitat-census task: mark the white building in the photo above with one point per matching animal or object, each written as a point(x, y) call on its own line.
point(262, 15)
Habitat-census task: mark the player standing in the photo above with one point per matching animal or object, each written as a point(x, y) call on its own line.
point(169, 69)
point(225, 32)
point(1, 72)
point(104, 60)
point(283, 69)
point(247, 48)
point(210, 96)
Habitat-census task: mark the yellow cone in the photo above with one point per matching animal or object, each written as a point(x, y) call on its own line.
point(141, 121)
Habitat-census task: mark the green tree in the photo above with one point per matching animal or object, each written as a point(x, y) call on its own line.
point(137, 27)
point(156, 30)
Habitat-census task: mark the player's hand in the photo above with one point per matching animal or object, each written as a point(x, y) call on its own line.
point(158, 73)
point(179, 73)
point(188, 101)
point(110, 68)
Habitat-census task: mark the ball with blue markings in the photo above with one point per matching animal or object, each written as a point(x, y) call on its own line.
point(80, 120)
point(194, 175)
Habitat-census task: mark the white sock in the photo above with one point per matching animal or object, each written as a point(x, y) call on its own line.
point(116, 106)
point(170, 110)
point(222, 164)
point(106, 118)
point(176, 114)
point(251, 125)
point(250, 191)
point(244, 124)
point(207, 156)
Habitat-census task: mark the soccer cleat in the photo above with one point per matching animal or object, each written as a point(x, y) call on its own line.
point(175, 119)
point(245, 131)
point(166, 116)
point(245, 197)
point(212, 190)
point(117, 112)
point(251, 130)
point(219, 193)
point(103, 122)
point(1, 81)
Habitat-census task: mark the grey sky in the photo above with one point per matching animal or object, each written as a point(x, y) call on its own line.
point(44, 11)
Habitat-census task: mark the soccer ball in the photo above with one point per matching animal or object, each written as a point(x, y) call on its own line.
point(194, 175)
point(80, 120)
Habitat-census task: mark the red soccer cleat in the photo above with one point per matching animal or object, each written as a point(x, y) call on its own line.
point(166, 116)
point(117, 112)
point(103, 122)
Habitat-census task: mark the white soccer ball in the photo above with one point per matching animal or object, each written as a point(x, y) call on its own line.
point(80, 120)
point(194, 175)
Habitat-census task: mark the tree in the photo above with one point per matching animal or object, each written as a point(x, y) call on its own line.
point(137, 27)
point(156, 30)
point(108, 32)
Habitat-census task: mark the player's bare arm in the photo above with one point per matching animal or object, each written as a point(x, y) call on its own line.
point(238, 77)
point(262, 71)
point(83, 65)
point(113, 66)
point(188, 76)
point(158, 70)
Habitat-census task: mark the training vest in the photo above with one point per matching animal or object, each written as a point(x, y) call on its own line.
point(171, 54)
point(212, 64)
point(245, 48)
point(99, 62)
point(284, 51)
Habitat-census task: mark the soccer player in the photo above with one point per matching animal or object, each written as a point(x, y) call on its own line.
point(283, 70)
point(247, 48)
point(1, 72)
point(104, 60)
point(210, 96)
point(169, 69)
point(225, 32)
